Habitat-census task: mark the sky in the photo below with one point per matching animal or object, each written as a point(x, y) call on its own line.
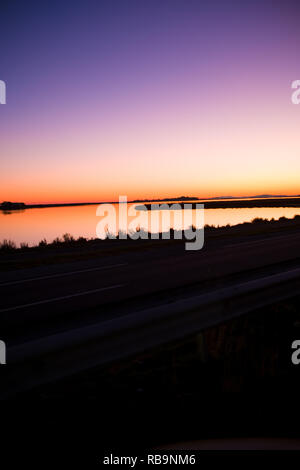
point(148, 99)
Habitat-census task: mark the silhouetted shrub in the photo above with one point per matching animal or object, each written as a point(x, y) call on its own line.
point(82, 240)
point(8, 245)
point(258, 220)
point(57, 241)
point(68, 238)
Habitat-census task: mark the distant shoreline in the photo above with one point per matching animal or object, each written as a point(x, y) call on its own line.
point(210, 203)
point(9, 206)
point(234, 204)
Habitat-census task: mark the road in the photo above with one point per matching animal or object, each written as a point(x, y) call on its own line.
point(81, 292)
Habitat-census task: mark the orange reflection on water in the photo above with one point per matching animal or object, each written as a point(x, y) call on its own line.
point(32, 225)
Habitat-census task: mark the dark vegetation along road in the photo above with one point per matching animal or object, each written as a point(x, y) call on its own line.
point(120, 292)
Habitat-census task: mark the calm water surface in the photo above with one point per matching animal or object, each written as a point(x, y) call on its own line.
point(33, 225)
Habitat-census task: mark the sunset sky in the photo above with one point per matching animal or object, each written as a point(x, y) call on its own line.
point(148, 99)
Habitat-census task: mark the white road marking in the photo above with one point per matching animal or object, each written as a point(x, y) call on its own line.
point(54, 299)
point(69, 273)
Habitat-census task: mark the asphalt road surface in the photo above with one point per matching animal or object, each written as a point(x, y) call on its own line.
point(80, 291)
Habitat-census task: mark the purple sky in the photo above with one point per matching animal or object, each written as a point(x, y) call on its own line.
point(148, 98)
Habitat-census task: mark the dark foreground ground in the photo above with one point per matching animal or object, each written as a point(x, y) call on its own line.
point(245, 362)
point(234, 380)
point(232, 387)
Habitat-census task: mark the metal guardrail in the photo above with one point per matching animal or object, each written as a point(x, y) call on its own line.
point(61, 355)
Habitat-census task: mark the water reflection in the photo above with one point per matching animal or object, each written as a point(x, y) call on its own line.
point(32, 225)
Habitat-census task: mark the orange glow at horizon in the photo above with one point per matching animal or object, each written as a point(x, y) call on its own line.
point(154, 100)
point(203, 150)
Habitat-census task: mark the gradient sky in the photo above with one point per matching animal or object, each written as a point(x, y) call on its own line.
point(148, 99)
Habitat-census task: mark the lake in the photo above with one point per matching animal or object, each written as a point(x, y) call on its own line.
point(32, 225)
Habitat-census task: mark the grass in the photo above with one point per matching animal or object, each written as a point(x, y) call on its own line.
point(8, 245)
